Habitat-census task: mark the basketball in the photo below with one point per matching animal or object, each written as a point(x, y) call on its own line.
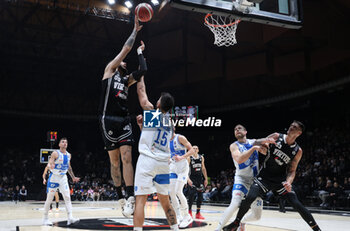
point(144, 12)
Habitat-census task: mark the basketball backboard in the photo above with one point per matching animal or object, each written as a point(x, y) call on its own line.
point(281, 13)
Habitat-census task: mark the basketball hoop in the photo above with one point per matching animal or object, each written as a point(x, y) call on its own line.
point(223, 27)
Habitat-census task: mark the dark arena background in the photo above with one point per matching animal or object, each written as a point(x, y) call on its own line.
point(53, 54)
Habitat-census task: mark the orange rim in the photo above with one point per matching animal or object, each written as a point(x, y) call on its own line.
point(225, 25)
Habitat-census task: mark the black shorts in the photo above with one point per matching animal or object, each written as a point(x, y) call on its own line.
point(266, 185)
point(116, 131)
point(197, 182)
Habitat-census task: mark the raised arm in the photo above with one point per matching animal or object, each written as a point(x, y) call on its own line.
point(204, 171)
point(112, 65)
point(143, 98)
point(291, 170)
point(188, 146)
point(135, 76)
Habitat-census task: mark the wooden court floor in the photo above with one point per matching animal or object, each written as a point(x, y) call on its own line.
point(27, 216)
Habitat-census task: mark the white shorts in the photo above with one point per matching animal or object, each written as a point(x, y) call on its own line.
point(240, 190)
point(179, 171)
point(151, 176)
point(57, 182)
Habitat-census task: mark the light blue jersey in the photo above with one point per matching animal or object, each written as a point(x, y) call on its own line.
point(176, 148)
point(61, 163)
point(250, 167)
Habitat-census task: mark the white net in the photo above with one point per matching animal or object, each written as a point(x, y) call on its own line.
point(224, 29)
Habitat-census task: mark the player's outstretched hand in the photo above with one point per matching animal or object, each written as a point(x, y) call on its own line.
point(76, 179)
point(137, 26)
point(287, 186)
point(142, 47)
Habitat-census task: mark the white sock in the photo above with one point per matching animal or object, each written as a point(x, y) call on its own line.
point(137, 228)
point(174, 227)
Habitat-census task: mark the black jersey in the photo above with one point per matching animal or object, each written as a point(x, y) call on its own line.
point(114, 96)
point(196, 166)
point(278, 157)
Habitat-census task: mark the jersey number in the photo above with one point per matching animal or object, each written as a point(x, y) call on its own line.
point(161, 138)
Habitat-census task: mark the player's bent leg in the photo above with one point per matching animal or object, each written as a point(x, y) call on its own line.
point(236, 200)
point(255, 211)
point(139, 213)
point(305, 214)
point(169, 211)
point(253, 193)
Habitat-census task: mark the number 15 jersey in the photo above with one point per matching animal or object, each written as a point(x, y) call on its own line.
point(154, 142)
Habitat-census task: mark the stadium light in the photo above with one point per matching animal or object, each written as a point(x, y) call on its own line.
point(128, 4)
point(155, 2)
point(111, 2)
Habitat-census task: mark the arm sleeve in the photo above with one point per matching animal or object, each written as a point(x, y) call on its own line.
point(143, 68)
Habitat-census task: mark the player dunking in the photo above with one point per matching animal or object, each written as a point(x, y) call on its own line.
point(245, 157)
point(114, 119)
point(152, 169)
point(277, 174)
point(180, 149)
point(198, 181)
point(59, 164)
point(45, 176)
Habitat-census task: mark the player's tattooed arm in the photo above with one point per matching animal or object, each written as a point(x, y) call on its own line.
point(291, 171)
point(71, 173)
point(114, 64)
point(132, 37)
point(130, 42)
point(143, 98)
point(268, 140)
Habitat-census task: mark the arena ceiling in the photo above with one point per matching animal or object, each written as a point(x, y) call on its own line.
point(53, 54)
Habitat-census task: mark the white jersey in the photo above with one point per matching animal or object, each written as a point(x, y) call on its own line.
point(154, 142)
point(249, 169)
point(61, 163)
point(176, 148)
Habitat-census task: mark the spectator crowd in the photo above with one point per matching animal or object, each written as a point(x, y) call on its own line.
point(323, 175)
